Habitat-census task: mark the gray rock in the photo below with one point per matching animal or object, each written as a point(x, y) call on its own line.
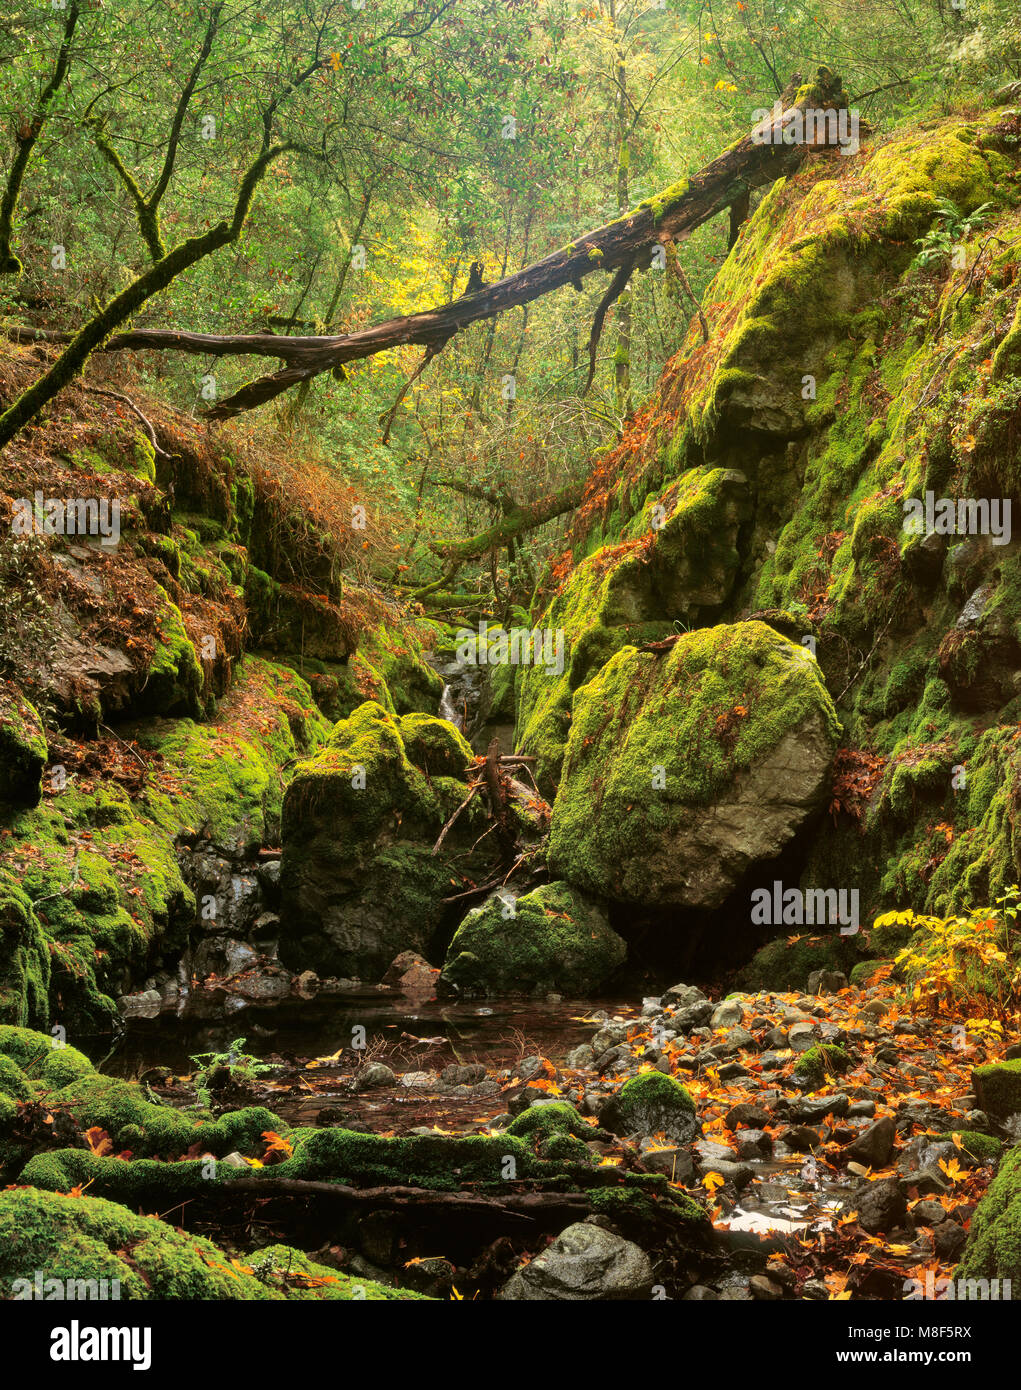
point(727, 1014)
point(683, 996)
point(146, 1004)
point(802, 1036)
point(881, 1206)
point(373, 1075)
point(874, 1147)
point(585, 1262)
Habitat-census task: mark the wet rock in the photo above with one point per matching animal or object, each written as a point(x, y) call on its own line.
point(874, 1147)
point(727, 1014)
point(753, 1143)
point(274, 982)
point(881, 1206)
point(372, 1076)
point(146, 1004)
point(306, 985)
point(861, 1109)
point(815, 1108)
point(419, 1080)
point(674, 1163)
point(762, 1287)
point(692, 1016)
point(737, 1175)
point(802, 1036)
point(584, 1262)
point(466, 1074)
point(928, 1214)
point(579, 1057)
point(684, 996)
point(608, 1036)
point(748, 1114)
point(411, 973)
point(948, 1241)
point(800, 1139)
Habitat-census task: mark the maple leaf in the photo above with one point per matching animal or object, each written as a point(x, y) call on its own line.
point(276, 1143)
point(99, 1141)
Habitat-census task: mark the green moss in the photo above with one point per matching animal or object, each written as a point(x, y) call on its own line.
point(359, 880)
point(998, 1087)
point(82, 1239)
point(993, 1250)
point(554, 939)
point(656, 738)
point(819, 1063)
point(23, 750)
point(984, 1147)
point(785, 964)
point(24, 958)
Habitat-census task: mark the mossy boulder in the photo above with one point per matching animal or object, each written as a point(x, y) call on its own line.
point(652, 1104)
point(554, 938)
point(359, 881)
point(90, 1245)
point(685, 770)
point(23, 749)
point(998, 1088)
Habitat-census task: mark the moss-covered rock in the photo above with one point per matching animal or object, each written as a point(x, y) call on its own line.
point(94, 1248)
point(100, 890)
point(359, 881)
point(819, 1063)
point(23, 749)
point(24, 959)
point(652, 1104)
point(683, 771)
point(553, 938)
point(998, 1088)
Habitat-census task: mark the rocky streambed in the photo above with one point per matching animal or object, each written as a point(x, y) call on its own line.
point(836, 1144)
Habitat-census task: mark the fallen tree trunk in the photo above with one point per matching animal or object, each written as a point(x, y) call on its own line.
point(663, 219)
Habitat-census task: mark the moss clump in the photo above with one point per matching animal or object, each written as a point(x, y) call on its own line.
point(984, 1147)
point(435, 746)
point(656, 739)
point(814, 1067)
point(553, 938)
point(542, 1123)
point(41, 1059)
point(85, 1240)
point(649, 1104)
point(998, 1088)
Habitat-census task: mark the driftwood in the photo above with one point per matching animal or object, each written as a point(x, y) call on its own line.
point(628, 243)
